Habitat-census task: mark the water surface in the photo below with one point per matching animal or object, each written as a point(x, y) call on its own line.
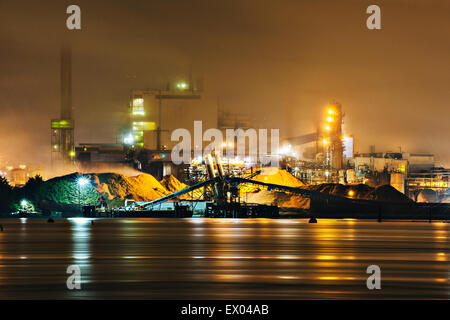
point(223, 259)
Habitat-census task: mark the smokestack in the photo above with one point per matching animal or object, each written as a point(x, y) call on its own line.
point(63, 150)
point(66, 82)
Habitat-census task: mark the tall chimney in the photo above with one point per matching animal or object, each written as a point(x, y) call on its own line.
point(66, 82)
point(63, 150)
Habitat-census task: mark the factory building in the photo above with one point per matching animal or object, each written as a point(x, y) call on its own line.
point(418, 162)
point(380, 168)
point(366, 163)
point(155, 114)
point(431, 185)
point(407, 172)
point(19, 176)
point(393, 162)
point(99, 153)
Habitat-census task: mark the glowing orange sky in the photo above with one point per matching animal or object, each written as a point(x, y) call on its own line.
point(280, 61)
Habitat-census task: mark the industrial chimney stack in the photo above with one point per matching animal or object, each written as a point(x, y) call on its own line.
point(63, 128)
point(66, 82)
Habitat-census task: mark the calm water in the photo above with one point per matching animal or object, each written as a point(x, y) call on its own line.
point(223, 259)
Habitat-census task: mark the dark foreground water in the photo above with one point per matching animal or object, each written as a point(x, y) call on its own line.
point(223, 259)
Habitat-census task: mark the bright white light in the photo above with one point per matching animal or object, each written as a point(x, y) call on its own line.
point(285, 150)
point(78, 256)
point(182, 85)
point(23, 203)
point(197, 220)
point(138, 102)
point(82, 181)
point(128, 139)
point(79, 221)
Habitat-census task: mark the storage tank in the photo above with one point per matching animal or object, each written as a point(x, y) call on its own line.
point(350, 175)
point(398, 181)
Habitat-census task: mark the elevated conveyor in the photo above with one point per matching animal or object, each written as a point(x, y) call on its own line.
point(182, 192)
point(238, 181)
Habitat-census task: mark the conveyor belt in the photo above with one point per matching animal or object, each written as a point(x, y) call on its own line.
point(182, 192)
point(270, 186)
point(232, 180)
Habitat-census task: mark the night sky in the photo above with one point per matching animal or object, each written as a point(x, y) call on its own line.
point(279, 61)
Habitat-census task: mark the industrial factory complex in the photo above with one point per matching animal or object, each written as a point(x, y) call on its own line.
point(145, 144)
point(224, 159)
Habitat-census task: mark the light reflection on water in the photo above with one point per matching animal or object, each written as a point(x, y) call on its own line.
point(81, 236)
point(223, 258)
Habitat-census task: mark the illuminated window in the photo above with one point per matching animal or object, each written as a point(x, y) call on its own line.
point(143, 126)
point(138, 102)
point(138, 111)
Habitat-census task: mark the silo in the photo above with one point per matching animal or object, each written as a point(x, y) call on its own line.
point(350, 176)
point(398, 181)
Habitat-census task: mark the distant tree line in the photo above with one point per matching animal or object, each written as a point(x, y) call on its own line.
point(64, 190)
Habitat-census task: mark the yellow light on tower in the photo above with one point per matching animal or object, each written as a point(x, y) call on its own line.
point(328, 128)
point(330, 111)
point(325, 141)
point(330, 119)
point(182, 85)
point(351, 193)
